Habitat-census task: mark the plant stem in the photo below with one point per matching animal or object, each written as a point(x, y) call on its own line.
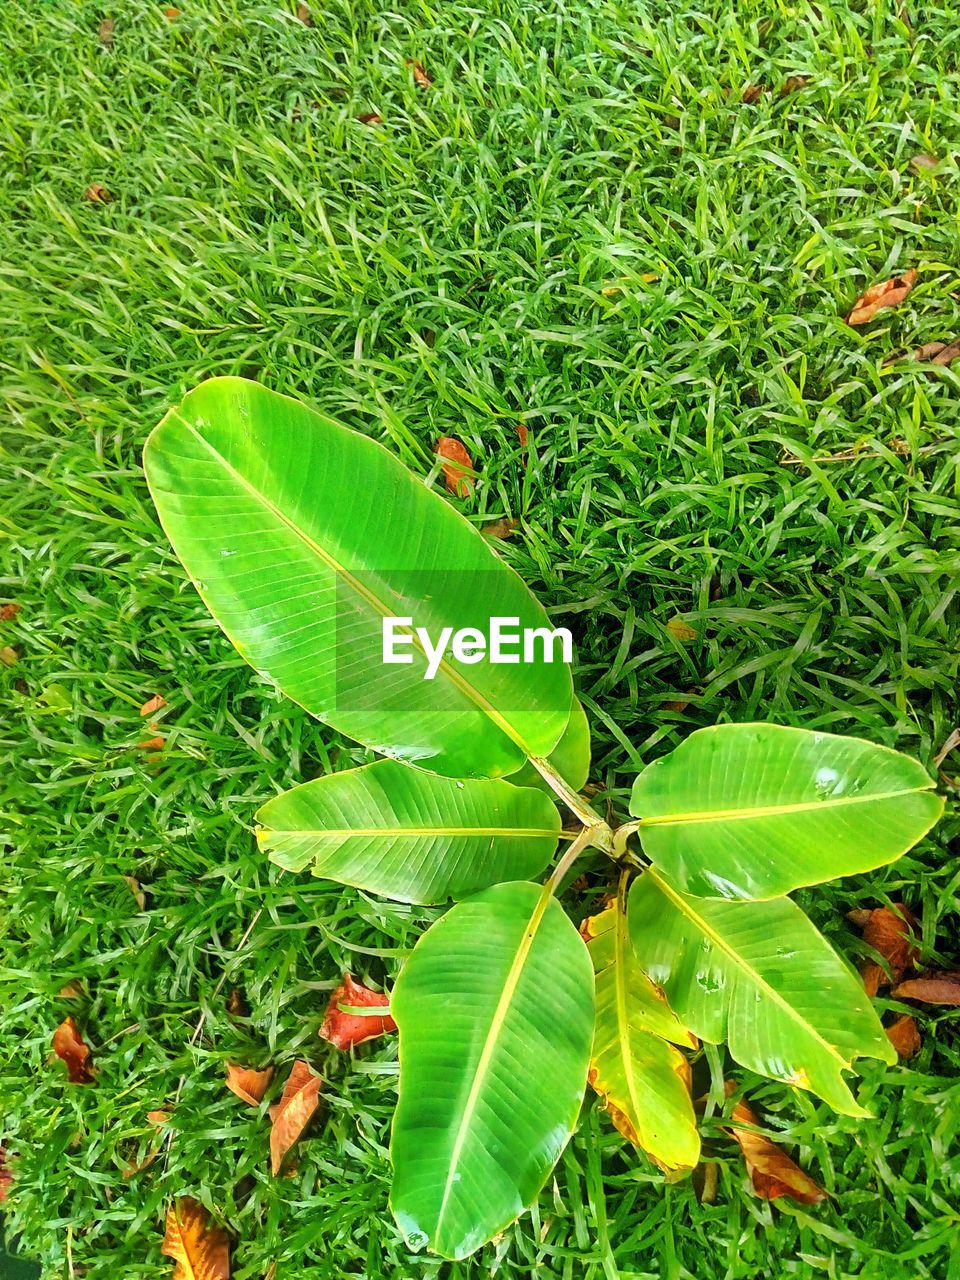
point(601, 836)
point(573, 852)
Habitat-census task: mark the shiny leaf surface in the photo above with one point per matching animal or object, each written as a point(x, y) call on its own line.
point(761, 977)
point(408, 834)
point(495, 1009)
point(643, 1080)
point(755, 810)
point(301, 536)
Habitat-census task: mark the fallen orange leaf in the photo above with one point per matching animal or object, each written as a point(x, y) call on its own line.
point(346, 1029)
point(293, 1112)
point(201, 1251)
point(158, 1117)
point(151, 744)
point(457, 465)
point(171, 14)
point(248, 1084)
point(522, 433)
point(888, 294)
point(753, 93)
point(905, 1037)
point(8, 611)
point(931, 988)
point(419, 75)
point(153, 704)
point(772, 1172)
point(71, 1048)
point(505, 527)
point(372, 117)
point(72, 991)
point(892, 933)
point(6, 1176)
point(304, 14)
point(97, 193)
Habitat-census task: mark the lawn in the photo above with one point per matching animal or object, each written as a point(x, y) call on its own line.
point(578, 225)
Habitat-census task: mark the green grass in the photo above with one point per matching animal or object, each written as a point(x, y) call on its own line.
point(452, 271)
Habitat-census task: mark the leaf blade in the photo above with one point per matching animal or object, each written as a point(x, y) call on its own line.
point(759, 975)
point(475, 1138)
point(755, 811)
point(260, 497)
point(408, 834)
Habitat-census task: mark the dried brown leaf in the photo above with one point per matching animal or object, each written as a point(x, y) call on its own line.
point(9, 655)
point(892, 932)
point(293, 1112)
point(523, 433)
point(371, 118)
point(457, 465)
point(682, 631)
point(304, 15)
point(931, 988)
point(6, 1174)
point(793, 84)
point(942, 353)
point(72, 991)
point(346, 1029)
point(71, 1048)
point(505, 527)
point(951, 744)
point(753, 93)
point(905, 1037)
point(890, 293)
point(9, 611)
point(419, 75)
point(151, 744)
point(133, 1167)
point(171, 14)
point(924, 163)
point(133, 884)
point(97, 193)
point(153, 704)
point(159, 1117)
point(200, 1250)
point(106, 31)
point(237, 1006)
point(248, 1084)
point(772, 1172)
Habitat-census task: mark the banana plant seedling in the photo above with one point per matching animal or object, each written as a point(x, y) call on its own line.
point(302, 536)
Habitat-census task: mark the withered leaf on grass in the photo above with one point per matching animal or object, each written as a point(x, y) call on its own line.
point(71, 991)
point(9, 655)
point(153, 704)
point(159, 1117)
point(931, 988)
point(106, 31)
point(135, 887)
point(505, 527)
point(346, 1029)
point(6, 1176)
point(682, 631)
point(892, 933)
point(793, 84)
point(71, 1048)
point(419, 75)
point(457, 465)
point(905, 1037)
point(171, 14)
point(248, 1084)
point(304, 15)
point(97, 193)
point(888, 294)
point(9, 611)
point(237, 1006)
point(924, 163)
point(753, 93)
point(942, 353)
point(200, 1249)
point(292, 1114)
point(371, 118)
point(151, 744)
point(772, 1172)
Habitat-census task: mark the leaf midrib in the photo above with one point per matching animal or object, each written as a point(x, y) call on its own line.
point(455, 677)
point(775, 810)
point(490, 1043)
point(682, 904)
point(334, 833)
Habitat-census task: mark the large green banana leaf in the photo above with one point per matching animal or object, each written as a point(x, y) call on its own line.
point(301, 536)
point(756, 810)
point(410, 835)
point(495, 1011)
point(644, 1081)
point(761, 977)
